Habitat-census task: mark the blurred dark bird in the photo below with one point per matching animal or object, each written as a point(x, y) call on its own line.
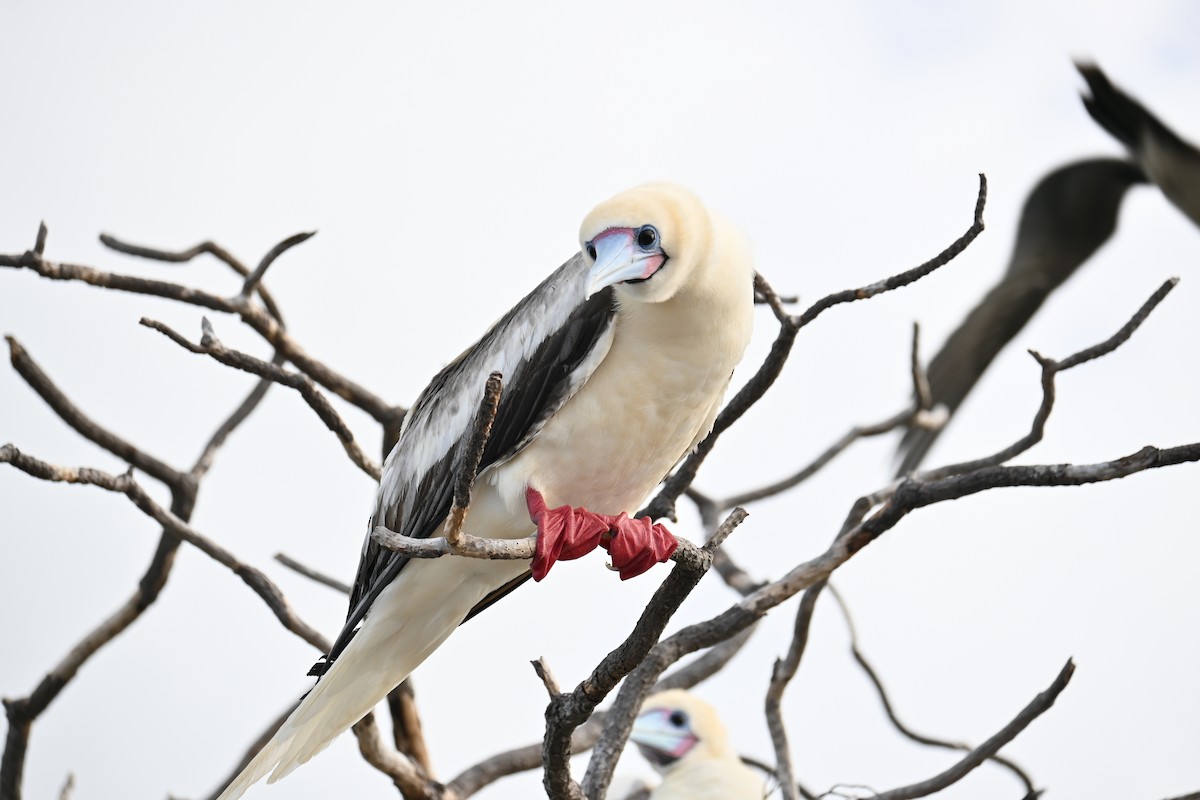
point(1067, 217)
point(1167, 160)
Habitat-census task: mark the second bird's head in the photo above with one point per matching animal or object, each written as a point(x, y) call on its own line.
point(645, 242)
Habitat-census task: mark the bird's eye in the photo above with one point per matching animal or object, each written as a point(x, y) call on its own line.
point(591, 250)
point(647, 237)
point(678, 719)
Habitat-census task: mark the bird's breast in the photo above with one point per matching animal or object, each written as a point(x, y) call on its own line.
point(648, 402)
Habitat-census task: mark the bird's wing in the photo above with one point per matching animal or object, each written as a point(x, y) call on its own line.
point(546, 347)
point(1069, 214)
point(1167, 159)
point(968, 352)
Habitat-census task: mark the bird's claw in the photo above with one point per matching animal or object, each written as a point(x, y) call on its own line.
point(636, 545)
point(566, 533)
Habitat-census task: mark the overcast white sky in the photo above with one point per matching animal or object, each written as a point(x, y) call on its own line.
point(446, 153)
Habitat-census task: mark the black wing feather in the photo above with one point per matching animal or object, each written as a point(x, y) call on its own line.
point(535, 388)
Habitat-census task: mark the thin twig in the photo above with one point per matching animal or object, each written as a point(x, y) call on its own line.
point(312, 574)
point(210, 345)
point(473, 455)
point(890, 711)
point(254, 278)
point(663, 503)
point(260, 320)
point(1050, 369)
point(126, 485)
point(1038, 706)
point(563, 716)
point(781, 675)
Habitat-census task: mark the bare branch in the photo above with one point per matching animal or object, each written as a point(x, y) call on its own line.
point(309, 572)
point(520, 759)
point(1038, 706)
point(663, 504)
point(33, 375)
point(547, 677)
point(480, 432)
point(875, 680)
point(263, 323)
point(253, 749)
point(210, 345)
point(407, 732)
point(569, 711)
point(254, 278)
point(239, 415)
point(908, 276)
point(1050, 369)
point(782, 674)
point(467, 545)
point(405, 774)
point(183, 256)
point(126, 485)
point(68, 788)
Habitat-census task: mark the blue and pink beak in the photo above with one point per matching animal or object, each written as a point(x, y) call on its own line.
point(624, 255)
point(663, 735)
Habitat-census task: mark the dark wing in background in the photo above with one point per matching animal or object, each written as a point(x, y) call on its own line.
point(1067, 217)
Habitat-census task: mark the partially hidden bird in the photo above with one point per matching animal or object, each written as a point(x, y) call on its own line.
point(1168, 161)
point(1067, 217)
point(614, 368)
point(682, 737)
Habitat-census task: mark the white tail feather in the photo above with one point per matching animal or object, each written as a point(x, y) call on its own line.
point(407, 622)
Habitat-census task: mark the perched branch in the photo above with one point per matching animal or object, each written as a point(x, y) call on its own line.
point(211, 345)
point(1038, 706)
point(467, 545)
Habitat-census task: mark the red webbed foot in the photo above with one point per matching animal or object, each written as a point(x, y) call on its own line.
point(637, 545)
point(564, 533)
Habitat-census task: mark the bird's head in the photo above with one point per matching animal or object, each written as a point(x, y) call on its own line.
point(675, 726)
point(646, 242)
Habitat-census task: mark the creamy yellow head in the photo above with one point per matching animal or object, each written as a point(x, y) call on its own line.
point(648, 242)
point(681, 725)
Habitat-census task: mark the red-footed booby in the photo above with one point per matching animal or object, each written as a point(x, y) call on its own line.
point(1067, 217)
point(681, 736)
point(1167, 160)
point(614, 368)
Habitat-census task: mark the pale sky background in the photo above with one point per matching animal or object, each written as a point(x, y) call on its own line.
point(446, 153)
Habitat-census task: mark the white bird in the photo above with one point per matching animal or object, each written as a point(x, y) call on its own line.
point(1166, 158)
point(614, 368)
point(685, 741)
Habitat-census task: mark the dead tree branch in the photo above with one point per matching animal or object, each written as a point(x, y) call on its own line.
point(1038, 706)
point(210, 345)
point(126, 485)
point(257, 317)
point(663, 504)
